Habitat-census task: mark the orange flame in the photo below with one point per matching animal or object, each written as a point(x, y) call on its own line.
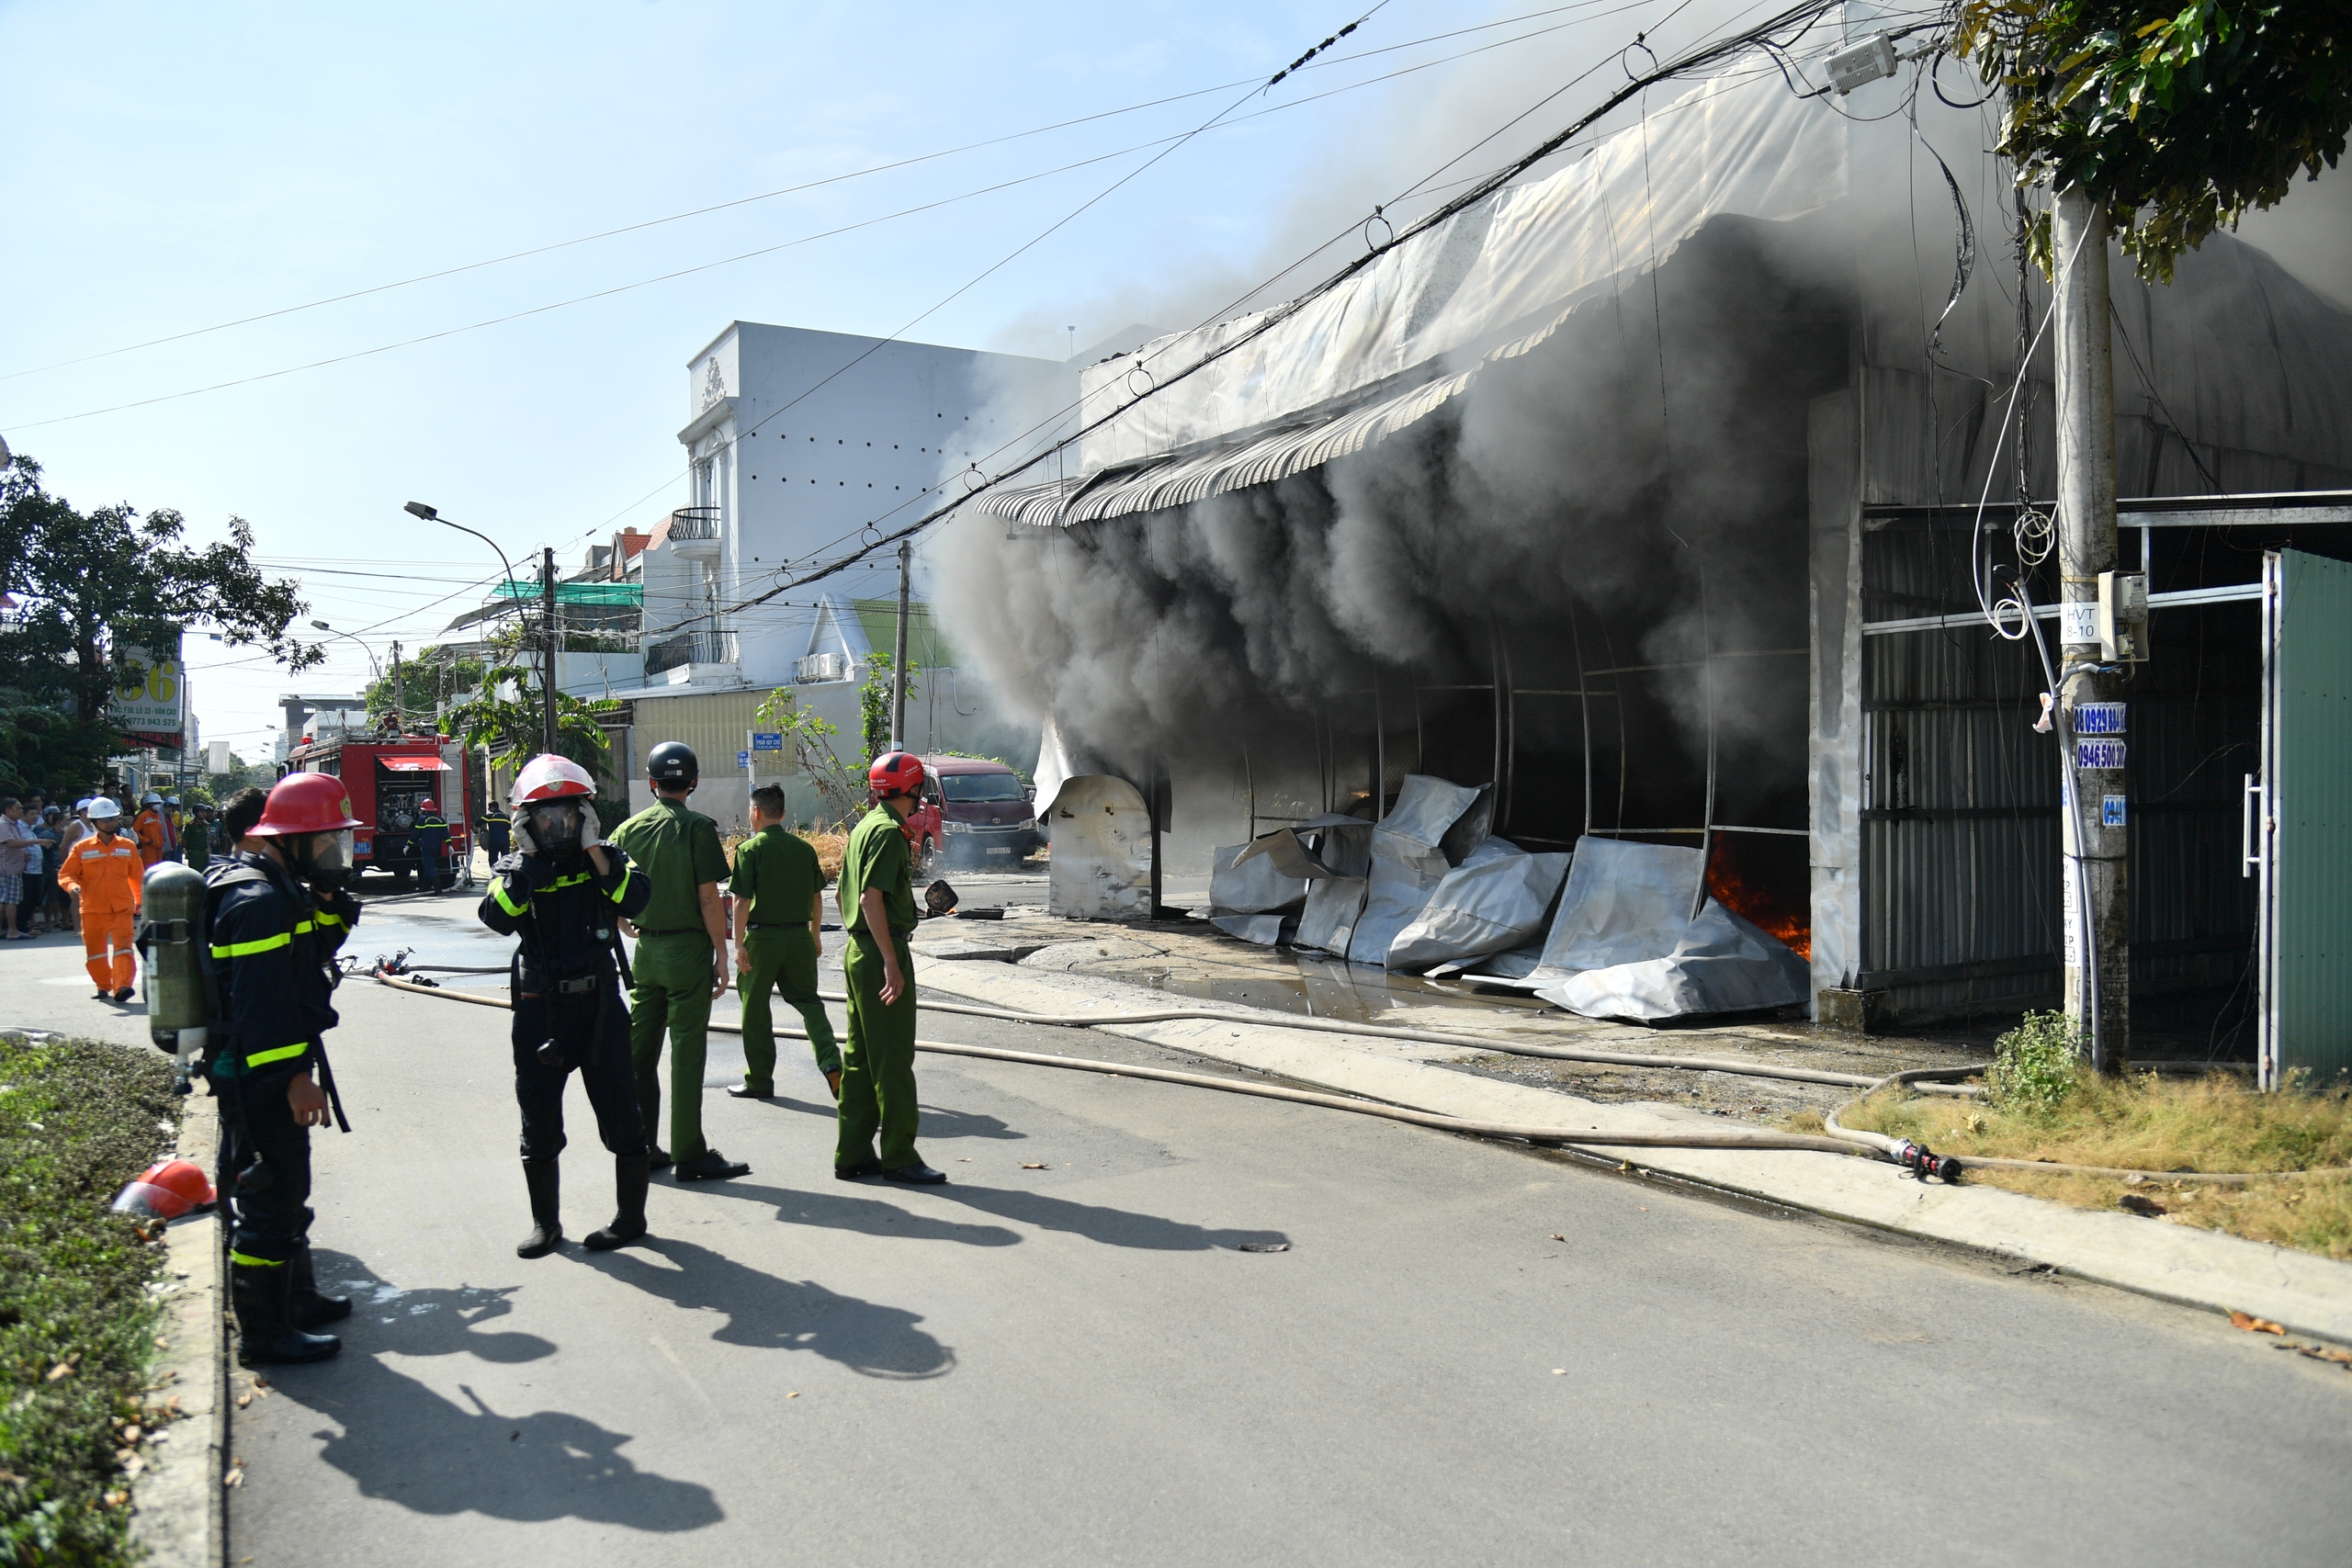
point(1744, 893)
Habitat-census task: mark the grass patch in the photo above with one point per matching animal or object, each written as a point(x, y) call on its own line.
point(2143, 1122)
point(78, 1118)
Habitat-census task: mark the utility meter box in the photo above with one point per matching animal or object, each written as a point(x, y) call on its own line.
point(1866, 62)
point(2124, 617)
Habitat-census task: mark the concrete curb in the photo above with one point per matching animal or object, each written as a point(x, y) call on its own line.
point(2175, 1263)
point(178, 1514)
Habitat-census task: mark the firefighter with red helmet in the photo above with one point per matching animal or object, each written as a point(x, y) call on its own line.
point(878, 903)
point(275, 914)
point(563, 894)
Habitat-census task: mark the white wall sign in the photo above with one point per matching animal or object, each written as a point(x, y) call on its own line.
point(151, 696)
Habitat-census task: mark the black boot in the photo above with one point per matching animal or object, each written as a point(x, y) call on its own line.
point(631, 1175)
point(265, 1335)
point(544, 1177)
point(305, 1308)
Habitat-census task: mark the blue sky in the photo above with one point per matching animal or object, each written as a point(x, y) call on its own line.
point(174, 167)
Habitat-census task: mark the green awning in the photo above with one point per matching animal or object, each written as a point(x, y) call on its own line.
point(926, 644)
point(576, 592)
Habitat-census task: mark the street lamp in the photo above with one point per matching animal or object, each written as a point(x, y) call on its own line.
point(374, 668)
point(513, 596)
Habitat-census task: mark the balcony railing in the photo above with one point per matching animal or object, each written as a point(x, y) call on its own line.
point(695, 523)
point(690, 648)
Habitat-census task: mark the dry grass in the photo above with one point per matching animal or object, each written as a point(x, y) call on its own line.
point(2210, 1124)
point(829, 848)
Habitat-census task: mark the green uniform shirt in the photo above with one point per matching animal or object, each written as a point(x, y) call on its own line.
point(878, 858)
point(678, 850)
point(776, 878)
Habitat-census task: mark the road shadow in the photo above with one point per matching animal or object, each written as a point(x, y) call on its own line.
point(403, 1443)
point(766, 1313)
point(846, 1209)
point(937, 1123)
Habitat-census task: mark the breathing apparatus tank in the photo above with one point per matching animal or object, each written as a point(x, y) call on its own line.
point(171, 937)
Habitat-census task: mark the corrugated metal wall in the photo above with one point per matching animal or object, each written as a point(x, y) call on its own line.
point(2311, 749)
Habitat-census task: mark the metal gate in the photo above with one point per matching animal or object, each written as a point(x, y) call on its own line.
point(2299, 818)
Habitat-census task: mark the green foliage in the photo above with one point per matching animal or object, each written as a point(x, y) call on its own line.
point(432, 677)
point(873, 701)
point(2182, 120)
point(91, 583)
point(43, 746)
point(78, 1118)
point(2036, 1066)
point(810, 740)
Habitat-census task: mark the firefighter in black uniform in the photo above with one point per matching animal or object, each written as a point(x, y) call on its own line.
point(492, 830)
point(274, 915)
point(563, 895)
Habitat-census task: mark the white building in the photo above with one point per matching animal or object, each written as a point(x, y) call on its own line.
point(798, 443)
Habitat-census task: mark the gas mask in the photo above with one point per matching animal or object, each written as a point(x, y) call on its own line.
point(555, 826)
point(324, 859)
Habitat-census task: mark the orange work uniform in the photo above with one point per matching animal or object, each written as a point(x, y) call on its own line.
point(109, 877)
point(155, 837)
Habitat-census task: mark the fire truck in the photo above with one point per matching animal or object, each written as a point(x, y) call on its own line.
point(389, 779)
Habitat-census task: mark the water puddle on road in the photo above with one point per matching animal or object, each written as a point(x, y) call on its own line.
point(1324, 987)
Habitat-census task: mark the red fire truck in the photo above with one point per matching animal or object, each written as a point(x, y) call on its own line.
point(389, 779)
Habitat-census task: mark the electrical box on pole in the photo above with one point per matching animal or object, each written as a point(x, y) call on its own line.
point(2123, 617)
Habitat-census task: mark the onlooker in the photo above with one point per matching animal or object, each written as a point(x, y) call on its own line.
point(74, 828)
point(16, 852)
point(41, 881)
point(238, 817)
point(197, 841)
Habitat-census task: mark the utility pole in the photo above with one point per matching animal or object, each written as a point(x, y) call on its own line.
point(898, 659)
point(2098, 902)
point(400, 723)
point(546, 671)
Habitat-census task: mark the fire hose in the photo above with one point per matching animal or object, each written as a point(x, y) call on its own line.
point(1901, 1152)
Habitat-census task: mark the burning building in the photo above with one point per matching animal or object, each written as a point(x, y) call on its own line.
point(1648, 491)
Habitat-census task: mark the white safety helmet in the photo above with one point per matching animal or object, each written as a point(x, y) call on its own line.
point(104, 810)
point(151, 798)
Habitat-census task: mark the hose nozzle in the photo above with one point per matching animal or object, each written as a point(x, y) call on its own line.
point(1923, 1162)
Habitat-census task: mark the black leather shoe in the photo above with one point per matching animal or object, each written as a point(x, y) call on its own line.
point(745, 1092)
point(710, 1165)
point(125, 995)
point(857, 1172)
point(305, 1308)
point(659, 1160)
point(544, 1179)
point(918, 1174)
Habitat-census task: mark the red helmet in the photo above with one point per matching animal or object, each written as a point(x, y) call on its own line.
point(166, 1190)
point(549, 777)
point(305, 802)
point(429, 806)
point(895, 773)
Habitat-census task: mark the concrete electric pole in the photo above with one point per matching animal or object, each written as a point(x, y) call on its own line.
point(399, 717)
point(2093, 838)
point(899, 656)
point(547, 619)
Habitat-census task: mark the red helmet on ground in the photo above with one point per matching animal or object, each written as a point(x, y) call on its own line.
point(305, 802)
point(895, 773)
point(549, 777)
point(166, 1190)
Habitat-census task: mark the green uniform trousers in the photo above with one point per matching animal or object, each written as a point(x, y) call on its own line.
point(877, 1061)
point(783, 959)
point(673, 971)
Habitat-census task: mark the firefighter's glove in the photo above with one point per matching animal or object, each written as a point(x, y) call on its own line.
point(520, 834)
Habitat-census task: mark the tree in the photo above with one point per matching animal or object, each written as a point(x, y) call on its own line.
point(873, 701)
point(810, 739)
point(435, 676)
point(2181, 119)
point(89, 585)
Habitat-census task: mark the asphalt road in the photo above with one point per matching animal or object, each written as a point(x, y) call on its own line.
point(1469, 1353)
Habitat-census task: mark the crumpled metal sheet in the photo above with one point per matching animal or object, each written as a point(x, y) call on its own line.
point(1407, 861)
point(1266, 930)
point(1333, 906)
point(1323, 846)
point(1100, 867)
point(1626, 902)
point(1720, 964)
point(1251, 886)
point(1499, 896)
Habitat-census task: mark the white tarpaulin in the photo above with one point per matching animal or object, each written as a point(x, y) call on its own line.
point(1410, 859)
point(1489, 282)
point(1498, 897)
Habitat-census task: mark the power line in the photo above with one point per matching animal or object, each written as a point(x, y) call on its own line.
point(762, 195)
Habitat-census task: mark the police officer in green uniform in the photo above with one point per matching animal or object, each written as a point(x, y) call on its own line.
point(878, 898)
point(779, 892)
point(681, 955)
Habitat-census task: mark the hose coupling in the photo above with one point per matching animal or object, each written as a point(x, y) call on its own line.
point(1923, 1162)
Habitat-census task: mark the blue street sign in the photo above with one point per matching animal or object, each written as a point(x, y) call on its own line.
point(742, 758)
point(767, 741)
point(2099, 719)
point(2110, 811)
point(2098, 753)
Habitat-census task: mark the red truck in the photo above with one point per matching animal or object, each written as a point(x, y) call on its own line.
point(389, 779)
